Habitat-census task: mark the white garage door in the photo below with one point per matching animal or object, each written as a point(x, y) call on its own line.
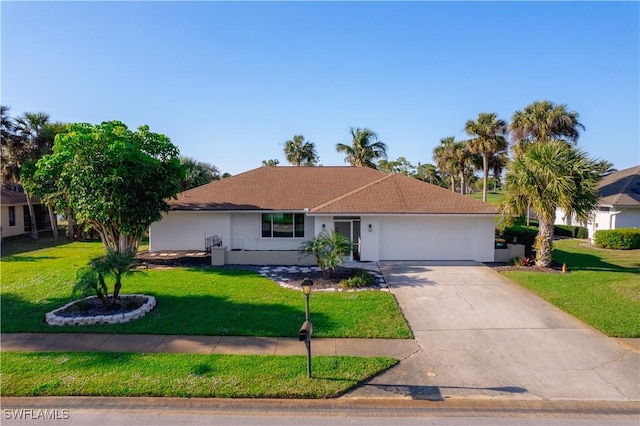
point(429, 238)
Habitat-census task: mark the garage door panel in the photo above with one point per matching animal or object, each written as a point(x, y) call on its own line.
point(428, 239)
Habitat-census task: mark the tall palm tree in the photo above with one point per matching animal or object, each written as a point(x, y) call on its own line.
point(497, 164)
point(541, 122)
point(488, 133)
point(28, 146)
point(300, 152)
point(364, 149)
point(547, 176)
point(461, 156)
point(443, 156)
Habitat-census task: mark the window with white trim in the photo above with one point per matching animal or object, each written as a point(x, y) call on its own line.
point(12, 216)
point(283, 225)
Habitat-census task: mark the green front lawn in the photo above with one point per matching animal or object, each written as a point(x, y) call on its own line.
point(183, 375)
point(191, 301)
point(494, 198)
point(602, 288)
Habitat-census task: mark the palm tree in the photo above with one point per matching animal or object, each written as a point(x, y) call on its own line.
point(541, 122)
point(489, 138)
point(364, 149)
point(606, 168)
point(300, 152)
point(461, 156)
point(28, 146)
point(497, 163)
point(547, 176)
point(443, 156)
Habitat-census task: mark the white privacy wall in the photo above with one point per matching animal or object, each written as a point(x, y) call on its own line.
point(186, 230)
point(428, 238)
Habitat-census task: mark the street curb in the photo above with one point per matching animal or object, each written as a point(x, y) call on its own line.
point(462, 407)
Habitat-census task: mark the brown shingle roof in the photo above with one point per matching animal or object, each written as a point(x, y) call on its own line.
point(328, 190)
point(621, 188)
point(15, 198)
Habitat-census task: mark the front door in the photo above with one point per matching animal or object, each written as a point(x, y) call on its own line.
point(351, 230)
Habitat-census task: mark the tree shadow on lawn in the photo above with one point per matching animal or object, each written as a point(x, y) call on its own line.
point(589, 262)
point(175, 315)
point(24, 243)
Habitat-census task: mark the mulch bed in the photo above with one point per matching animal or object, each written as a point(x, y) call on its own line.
point(189, 259)
point(94, 307)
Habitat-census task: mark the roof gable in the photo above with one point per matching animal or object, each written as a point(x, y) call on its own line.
point(621, 188)
point(327, 190)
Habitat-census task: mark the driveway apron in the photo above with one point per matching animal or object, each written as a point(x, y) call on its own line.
point(483, 336)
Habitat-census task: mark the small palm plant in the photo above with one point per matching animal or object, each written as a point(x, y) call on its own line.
point(92, 279)
point(329, 248)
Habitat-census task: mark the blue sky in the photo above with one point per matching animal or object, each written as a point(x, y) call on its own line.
point(229, 82)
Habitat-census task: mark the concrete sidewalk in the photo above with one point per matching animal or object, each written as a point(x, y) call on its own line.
point(93, 342)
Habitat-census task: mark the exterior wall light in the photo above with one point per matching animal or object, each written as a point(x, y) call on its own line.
point(324, 227)
point(370, 228)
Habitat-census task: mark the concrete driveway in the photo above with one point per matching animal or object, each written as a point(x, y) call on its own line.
point(483, 336)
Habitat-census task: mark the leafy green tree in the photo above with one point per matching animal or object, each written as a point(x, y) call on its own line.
point(197, 173)
point(542, 122)
point(115, 179)
point(488, 133)
point(329, 248)
point(547, 176)
point(428, 173)
point(364, 149)
point(299, 152)
point(401, 166)
point(270, 163)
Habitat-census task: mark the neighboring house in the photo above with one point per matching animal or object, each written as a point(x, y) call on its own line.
point(263, 215)
point(15, 219)
point(618, 206)
point(275, 209)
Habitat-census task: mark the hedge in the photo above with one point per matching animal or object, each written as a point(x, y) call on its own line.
point(618, 239)
point(571, 231)
point(522, 235)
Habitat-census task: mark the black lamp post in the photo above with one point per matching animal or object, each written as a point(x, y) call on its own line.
point(307, 327)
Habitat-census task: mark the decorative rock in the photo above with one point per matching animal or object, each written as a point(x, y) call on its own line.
point(52, 318)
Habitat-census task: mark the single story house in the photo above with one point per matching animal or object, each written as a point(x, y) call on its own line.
point(274, 209)
point(618, 205)
point(15, 219)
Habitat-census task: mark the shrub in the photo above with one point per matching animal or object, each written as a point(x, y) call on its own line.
point(618, 239)
point(360, 278)
point(522, 235)
point(571, 231)
point(329, 248)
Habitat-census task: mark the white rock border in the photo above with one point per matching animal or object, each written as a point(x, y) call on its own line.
point(54, 319)
point(272, 273)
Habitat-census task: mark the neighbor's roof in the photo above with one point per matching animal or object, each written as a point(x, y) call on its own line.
point(327, 190)
point(9, 197)
point(621, 188)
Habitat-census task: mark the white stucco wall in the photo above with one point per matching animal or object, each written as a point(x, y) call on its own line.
point(628, 217)
point(246, 234)
point(186, 230)
point(18, 228)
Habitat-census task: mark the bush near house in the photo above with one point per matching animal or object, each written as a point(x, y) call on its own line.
point(522, 235)
point(579, 232)
point(618, 239)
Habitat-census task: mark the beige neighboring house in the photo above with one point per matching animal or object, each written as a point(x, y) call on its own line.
point(15, 213)
point(263, 215)
point(618, 206)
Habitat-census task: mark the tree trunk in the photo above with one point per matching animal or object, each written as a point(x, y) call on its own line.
point(70, 225)
point(54, 223)
point(453, 183)
point(462, 183)
point(32, 216)
point(544, 242)
point(485, 179)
